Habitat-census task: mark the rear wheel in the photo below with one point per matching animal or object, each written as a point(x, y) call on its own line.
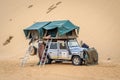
point(76, 60)
point(48, 60)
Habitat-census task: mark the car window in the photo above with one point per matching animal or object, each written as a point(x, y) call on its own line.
point(63, 46)
point(53, 46)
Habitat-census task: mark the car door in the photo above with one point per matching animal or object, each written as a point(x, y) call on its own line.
point(63, 51)
point(53, 50)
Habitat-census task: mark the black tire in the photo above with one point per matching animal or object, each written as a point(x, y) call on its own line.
point(76, 60)
point(48, 60)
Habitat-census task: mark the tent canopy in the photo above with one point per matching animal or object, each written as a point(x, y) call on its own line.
point(63, 27)
point(37, 26)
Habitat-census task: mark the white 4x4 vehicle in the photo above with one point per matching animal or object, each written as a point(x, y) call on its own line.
point(66, 51)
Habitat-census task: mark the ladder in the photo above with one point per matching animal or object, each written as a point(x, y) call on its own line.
point(44, 55)
point(26, 57)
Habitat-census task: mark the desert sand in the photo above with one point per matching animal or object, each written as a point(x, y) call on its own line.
point(99, 27)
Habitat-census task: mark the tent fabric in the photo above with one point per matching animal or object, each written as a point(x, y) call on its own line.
point(63, 27)
point(37, 26)
point(54, 24)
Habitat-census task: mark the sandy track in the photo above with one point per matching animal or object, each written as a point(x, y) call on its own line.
point(10, 70)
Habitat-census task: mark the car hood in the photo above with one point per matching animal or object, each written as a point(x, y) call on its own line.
point(76, 49)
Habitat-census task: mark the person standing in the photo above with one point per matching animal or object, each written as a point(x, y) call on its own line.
point(41, 47)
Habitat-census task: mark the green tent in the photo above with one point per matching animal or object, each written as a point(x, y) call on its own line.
point(37, 26)
point(62, 26)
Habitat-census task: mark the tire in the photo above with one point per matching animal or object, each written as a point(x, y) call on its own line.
point(92, 56)
point(95, 56)
point(48, 60)
point(76, 60)
point(32, 50)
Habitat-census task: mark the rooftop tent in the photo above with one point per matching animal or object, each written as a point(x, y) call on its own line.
point(38, 27)
point(60, 27)
point(63, 26)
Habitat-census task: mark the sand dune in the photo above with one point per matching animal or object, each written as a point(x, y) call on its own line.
point(99, 28)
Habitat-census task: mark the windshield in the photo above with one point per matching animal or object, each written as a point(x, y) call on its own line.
point(73, 43)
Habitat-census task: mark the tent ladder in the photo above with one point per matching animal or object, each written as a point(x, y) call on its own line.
point(45, 54)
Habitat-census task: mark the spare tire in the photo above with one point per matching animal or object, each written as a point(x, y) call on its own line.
point(92, 56)
point(32, 50)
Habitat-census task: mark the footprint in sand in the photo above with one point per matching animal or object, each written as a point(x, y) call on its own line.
point(8, 40)
point(30, 6)
point(53, 6)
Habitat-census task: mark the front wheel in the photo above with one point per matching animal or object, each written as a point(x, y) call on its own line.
point(76, 60)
